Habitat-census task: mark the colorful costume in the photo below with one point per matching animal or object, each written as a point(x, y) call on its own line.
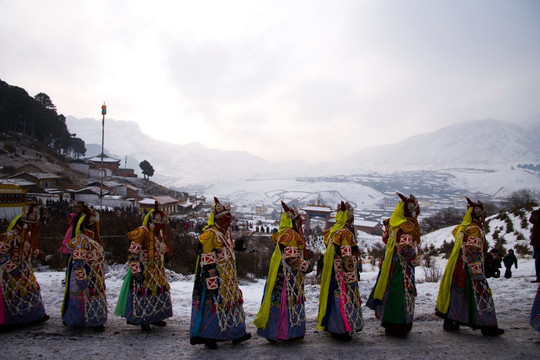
point(217, 313)
point(339, 298)
point(70, 234)
point(20, 298)
point(394, 293)
point(85, 301)
point(145, 296)
point(282, 314)
point(464, 295)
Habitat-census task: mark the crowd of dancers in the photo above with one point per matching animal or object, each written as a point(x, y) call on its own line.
point(217, 313)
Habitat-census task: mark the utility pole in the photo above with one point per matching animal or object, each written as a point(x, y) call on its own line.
point(103, 112)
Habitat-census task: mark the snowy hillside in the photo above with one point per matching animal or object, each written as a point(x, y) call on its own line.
point(496, 228)
point(479, 143)
point(499, 182)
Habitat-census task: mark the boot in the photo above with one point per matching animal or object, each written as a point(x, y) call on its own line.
point(99, 328)
point(210, 344)
point(160, 323)
point(492, 331)
point(341, 337)
point(450, 325)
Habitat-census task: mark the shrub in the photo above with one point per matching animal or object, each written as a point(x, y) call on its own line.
point(441, 219)
point(509, 225)
point(523, 199)
point(376, 253)
point(523, 249)
point(524, 223)
point(499, 245)
point(432, 271)
point(519, 213)
point(256, 259)
point(446, 248)
point(486, 227)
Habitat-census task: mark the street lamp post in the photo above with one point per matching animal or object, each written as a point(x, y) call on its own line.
point(103, 112)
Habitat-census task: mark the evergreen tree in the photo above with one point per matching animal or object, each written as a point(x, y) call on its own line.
point(77, 147)
point(147, 169)
point(45, 100)
point(36, 117)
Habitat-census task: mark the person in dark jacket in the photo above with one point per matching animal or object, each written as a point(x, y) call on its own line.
point(492, 264)
point(509, 260)
point(535, 241)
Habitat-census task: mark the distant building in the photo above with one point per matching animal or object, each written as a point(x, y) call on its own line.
point(132, 192)
point(261, 210)
point(92, 167)
point(80, 165)
point(125, 172)
point(390, 202)
point(25, 184)
point(185, 206)
point(12, 201)
point(318, 211)
point(42, 180)
point(369, 227)
point(166, 203)
point(90, 195)
point(109, 165)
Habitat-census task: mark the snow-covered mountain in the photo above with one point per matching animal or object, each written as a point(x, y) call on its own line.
point(480, 143)
point(480, 156)
point(174, 164)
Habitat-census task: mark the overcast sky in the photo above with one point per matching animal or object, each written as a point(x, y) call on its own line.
point(281, 79)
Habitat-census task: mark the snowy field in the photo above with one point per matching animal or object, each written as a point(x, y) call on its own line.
point(51, 340)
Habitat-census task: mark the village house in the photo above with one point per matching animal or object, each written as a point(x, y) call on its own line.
point(316, 213)
point(166, 204)
point(109, 165)
point(369, 227)
point(126, 172)
point(41, 179)
point(24, 184)
point(91, 167)
point(261, 210)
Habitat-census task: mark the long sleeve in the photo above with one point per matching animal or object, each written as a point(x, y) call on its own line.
point(136, 237)
point(292, 247)
point(473, 252)
point(210, 243)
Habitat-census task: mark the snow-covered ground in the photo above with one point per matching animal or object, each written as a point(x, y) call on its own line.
point(51, 340)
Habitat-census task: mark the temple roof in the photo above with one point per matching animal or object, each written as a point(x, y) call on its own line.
point(106, 159)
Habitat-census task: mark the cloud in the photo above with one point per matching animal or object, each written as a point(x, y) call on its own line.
point(278, 78)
